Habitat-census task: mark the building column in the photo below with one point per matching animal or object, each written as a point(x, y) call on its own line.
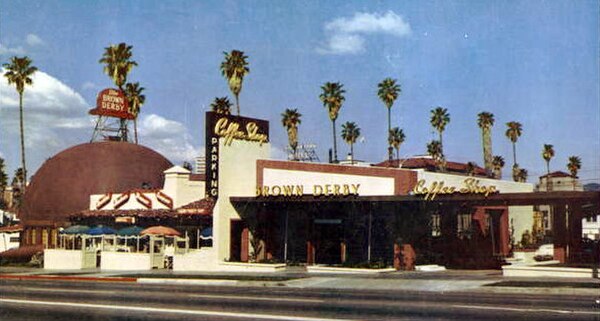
point(244, 246)
point(575, 232)
point(504, 233)
point(310, 246)
point(559, 229)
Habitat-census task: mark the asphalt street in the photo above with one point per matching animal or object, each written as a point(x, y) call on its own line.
point(59, 300)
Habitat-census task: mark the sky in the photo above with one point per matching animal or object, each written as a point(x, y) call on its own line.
point(535, 62)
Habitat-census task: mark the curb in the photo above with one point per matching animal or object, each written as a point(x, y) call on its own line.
point(188, 281)
point(67, 278)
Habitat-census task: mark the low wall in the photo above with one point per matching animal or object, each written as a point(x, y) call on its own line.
point(341, 270)
point(58, 259)
point(545, 271)
point(204, 259)
point(251, 267)
point(123, 261)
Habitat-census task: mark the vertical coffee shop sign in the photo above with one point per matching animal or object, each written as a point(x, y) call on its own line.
point(228, 128)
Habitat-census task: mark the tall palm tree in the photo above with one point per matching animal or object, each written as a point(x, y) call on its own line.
point(439, 119)
point(513, 133)
point(434, 149)
point(350, 133)
point(485, 120)
point(497, 164)
point(388, 93)
point(136, 99)
point(117, 65)
point(290, 120)
point(574, 166)
point(547, 154)
point(221, 105)
point(332, 97)
point(18, 72)
point(234, 67)
point(396, 138)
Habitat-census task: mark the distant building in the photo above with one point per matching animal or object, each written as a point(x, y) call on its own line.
point(554, 182)
point(591, 227)
point(199, 165)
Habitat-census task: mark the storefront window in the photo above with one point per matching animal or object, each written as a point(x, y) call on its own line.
point(436, 226)
point(464, 225)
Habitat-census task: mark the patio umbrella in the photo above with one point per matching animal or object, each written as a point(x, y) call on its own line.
point(160, 230)
point(101, 230)
point(76, 229)
point(130, 231)
point(206, 233)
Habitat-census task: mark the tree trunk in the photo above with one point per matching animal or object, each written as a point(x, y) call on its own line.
point(237, 103)
point(22, 129)
point(514, 154)
point(390, 149)
point(487, 149)
point(352, 154)
point(135, 129)
point(335, 158)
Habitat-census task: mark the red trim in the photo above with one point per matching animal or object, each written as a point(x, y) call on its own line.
point(143, 199)
point(164, 199)
point(404, 180)
point(121, 199)
point(103, 201)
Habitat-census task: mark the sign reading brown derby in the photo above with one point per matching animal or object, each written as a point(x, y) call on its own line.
point(229, 128)
point(113, 103)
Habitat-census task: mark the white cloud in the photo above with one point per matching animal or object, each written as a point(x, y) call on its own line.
point(4, 50)
point(33, 40)
point(339, 44)
point(347, 35)
point(88, 85)
point(168, 137)
point(55, 117)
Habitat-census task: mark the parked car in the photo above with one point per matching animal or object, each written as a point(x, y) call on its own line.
point(544, 253)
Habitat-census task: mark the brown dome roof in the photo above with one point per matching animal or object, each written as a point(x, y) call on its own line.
point(64, 183)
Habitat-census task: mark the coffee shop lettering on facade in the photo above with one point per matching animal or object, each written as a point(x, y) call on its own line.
point(228, 128)
point(469, 186)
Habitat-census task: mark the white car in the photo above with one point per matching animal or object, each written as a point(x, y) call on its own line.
point(545, 250)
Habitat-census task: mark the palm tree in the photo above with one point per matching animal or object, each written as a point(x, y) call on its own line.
point(221, 105)
point(485, 121)
point(388, 93)
point(522, 176)
point(513, 133)
point(136, 100)
point(574, 166)
point(19, 72)
point(547, 154)
point(515, 172)
point(117, 65)
point(439, 119)
point(434, 148)
point(498, 163)
point(290, 120)
point(234, 68)
point(470, 168)
point(396, 138)
point(333, 98)
point(350, 133)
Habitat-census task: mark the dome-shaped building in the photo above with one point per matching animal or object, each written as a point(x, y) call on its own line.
point(63, 184)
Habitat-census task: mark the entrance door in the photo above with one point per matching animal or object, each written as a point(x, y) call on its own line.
point(328, 238)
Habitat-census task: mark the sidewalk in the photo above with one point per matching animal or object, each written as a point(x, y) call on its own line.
point(483, 281)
